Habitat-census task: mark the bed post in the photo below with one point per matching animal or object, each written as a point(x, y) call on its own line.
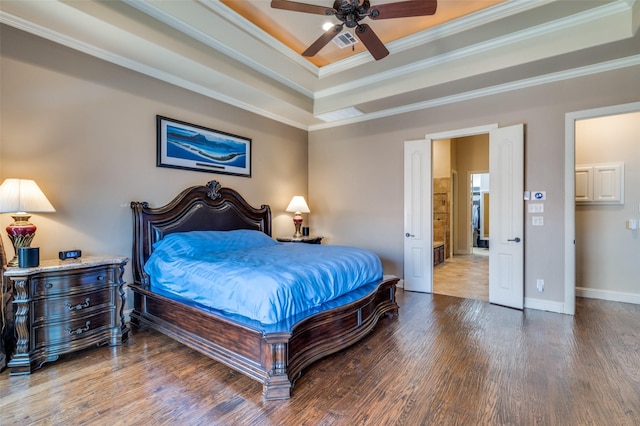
point(278, 385)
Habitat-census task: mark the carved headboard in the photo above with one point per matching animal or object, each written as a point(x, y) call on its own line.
point(199, 208)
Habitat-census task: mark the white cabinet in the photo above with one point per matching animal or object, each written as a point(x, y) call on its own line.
point(600, 183)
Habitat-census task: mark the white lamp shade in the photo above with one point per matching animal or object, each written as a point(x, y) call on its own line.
point(23, 195)
point(298, 204)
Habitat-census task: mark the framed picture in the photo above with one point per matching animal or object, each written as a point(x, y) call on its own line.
point(187, 146)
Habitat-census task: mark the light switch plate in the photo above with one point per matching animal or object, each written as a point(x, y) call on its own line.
point(537, 220)
point(535, 208)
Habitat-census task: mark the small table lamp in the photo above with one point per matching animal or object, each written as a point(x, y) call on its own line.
point(18, 196)
point(298, 205)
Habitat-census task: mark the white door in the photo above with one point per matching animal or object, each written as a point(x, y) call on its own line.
point(506, 246)
point(418, 248)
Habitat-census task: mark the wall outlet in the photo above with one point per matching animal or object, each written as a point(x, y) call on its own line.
point(540, 285)
point(537, 220)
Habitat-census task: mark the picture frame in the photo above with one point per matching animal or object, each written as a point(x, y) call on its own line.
point(182, 145)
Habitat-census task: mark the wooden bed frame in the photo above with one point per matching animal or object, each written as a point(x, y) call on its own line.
point(274, 356)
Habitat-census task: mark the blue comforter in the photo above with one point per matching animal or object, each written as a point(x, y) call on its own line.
point(247, 273)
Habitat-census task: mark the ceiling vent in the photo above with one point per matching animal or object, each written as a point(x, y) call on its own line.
point(345, 40)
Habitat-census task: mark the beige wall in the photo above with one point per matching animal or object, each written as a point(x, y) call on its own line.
point(441, 158)
point(608, 254)
point(369, 155)
point(85, 131)
point(472, 157)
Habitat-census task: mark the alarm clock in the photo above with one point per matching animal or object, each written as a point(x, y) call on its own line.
point(69, 254)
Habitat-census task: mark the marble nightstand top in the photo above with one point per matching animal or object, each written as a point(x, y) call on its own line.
point(51, 265)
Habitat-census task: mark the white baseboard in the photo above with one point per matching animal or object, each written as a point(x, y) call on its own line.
point(613, 296)
point(544, 305)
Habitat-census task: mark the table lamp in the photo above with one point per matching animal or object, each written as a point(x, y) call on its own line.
point(19, 196)
point(298, 205)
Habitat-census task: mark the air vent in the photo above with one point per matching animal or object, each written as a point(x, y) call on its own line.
point(345, 40)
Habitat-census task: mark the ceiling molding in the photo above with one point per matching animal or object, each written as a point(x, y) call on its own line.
point(489, 91)
point(465, 23)
point(512, 40)
point(251, 70)
point(169, 77)
point(159, 14)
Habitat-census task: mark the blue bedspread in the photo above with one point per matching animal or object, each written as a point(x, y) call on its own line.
point(247, 273)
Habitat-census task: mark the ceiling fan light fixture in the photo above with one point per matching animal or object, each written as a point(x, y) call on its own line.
point(351, 12)
point(339, 114)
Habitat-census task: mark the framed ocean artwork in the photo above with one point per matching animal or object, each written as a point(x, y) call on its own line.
point(188, 146)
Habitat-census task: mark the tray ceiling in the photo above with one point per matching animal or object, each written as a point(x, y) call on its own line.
point(248, 55)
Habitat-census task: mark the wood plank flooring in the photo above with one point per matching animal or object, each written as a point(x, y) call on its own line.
point(442, 361)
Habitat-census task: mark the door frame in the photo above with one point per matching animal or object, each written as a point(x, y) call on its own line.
point(569, 305)
point(450, 134)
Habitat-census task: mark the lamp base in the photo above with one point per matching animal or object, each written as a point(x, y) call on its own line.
point(297, 222)
point(21, 233)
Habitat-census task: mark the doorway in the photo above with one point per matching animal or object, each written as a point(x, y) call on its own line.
point(568, 307)
point(460, 216)
point(506, 163)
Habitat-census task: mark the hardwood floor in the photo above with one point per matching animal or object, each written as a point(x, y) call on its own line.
point(444, 360)
point(464, 276)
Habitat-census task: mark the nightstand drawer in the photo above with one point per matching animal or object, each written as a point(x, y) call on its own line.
point(64, 306)
point(55, 334)
point(51, 284)
point(71, 306)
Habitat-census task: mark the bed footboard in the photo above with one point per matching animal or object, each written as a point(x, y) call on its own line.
point(274, 358)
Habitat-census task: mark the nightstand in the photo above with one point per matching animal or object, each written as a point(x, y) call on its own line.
point(64, 306)
point(306, 240)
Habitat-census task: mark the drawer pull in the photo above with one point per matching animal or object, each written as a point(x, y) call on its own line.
point(79, 306)
point(48, 286)
point(79, 330)
point(100, 277)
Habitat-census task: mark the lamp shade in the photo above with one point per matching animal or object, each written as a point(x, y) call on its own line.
point(23, 195)
point(298, 205)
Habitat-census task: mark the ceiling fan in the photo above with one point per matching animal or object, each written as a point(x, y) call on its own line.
point(351, 12)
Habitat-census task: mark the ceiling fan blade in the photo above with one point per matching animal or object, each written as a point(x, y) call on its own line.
point(371, 41)
point(403, 9)
point(323, 40)
point(302, 7)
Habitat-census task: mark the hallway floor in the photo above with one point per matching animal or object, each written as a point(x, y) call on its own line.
point(464, 276)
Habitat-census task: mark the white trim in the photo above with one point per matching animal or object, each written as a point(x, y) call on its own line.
point(461, 133)
point(448, 134)
point(212, 42)
point(544, 305)
point(477, 49)
point(492, 90)
point(142, 68)
point(482, 17)
point(569, 194)
point(613, 296)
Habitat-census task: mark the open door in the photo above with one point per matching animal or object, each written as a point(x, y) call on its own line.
point(418, 245)
point(506, 246)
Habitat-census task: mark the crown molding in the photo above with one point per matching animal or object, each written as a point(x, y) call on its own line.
point(150, 9)
point(151, 71)
point(630, 61)
point(503, 42)
point(482, 17)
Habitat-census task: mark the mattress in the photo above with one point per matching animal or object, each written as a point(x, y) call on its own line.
point(247, 273)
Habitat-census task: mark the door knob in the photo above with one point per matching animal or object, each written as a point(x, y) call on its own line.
point(516, 239)
point(409, 235)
